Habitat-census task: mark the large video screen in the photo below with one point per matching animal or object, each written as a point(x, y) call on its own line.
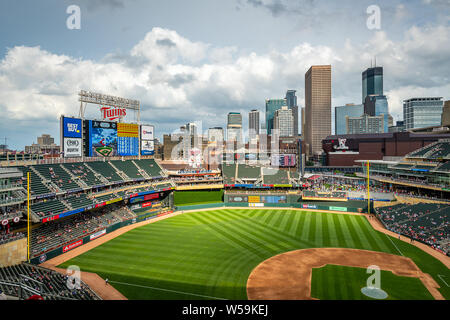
point(128, 139)
point(102, 139)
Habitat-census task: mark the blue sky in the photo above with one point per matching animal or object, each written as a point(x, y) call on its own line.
point(199, 59)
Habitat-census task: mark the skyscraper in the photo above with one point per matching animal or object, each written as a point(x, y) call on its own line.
point(272, 105)
point(372, 82)
point(234, 127)
point(422, 112)
point(365, 124)
point(317, 107)
point(283, 121)
point(340, 114)
point(291, 101)
point(376, 105)
point(253, 123)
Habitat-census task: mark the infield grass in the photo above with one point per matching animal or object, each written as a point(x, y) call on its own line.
point(210, 254)
point(334, 282)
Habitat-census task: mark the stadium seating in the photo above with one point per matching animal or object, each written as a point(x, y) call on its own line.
point(128, 168)
point(105, 169)
point(275, 176)
point(229, 172)
point(56, 174)
point(53, 284)
point(80, 171)
point(49, 236)
point(437, 150)
point(444, 167)
point(248, 172)
point(79, 201)
point(150, 166)
point(36, 186)
point(426, 222)
point(48, 208)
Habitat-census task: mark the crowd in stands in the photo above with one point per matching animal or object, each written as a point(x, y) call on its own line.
point(7, 236)
point(323, 183)
point(425, 222)
point(51, 235)
point(50, 284)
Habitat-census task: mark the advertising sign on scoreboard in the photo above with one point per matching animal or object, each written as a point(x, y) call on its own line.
point(102, 137)
point(128, 139)
point(147, 147)
point(147, 132)
point(71, 128)
point(72, 147)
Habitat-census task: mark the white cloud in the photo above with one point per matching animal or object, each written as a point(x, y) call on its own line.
point(178, 80)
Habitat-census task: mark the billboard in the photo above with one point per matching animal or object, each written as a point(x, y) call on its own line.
point(147, 147)
point(283, 160)
point(72, 128)
point(147, 132)
point(127, 139)
point(72, 147)
point(102, 139)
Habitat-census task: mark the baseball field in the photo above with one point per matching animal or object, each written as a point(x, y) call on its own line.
point(211, 254)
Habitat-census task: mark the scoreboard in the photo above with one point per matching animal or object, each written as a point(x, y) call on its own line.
point(127, 139)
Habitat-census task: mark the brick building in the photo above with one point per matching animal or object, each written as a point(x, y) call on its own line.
point(344, 150)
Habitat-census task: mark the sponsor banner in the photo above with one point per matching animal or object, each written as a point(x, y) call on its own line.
point(254, 199)
point(283, 160)
point(309, 206)
point(151, 196)
point(42, 258)
point(50, 218)
point(71, 128)
point(100, 204)
point(147, 204)
point(69, 213)
point(256, 204)
point(238, 199)
point(136, 199)
point(282, 185)
point(147, 147)
point(97, 234)
point(114, 200)
point(147, 132)
point(72, 147)
point(48, 195)
point(72, 245)
point(338, 209)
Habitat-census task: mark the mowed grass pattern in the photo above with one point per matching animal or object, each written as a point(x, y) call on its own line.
point(210, 254)
point(344, 283)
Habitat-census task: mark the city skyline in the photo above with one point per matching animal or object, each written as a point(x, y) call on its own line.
point(190, 69)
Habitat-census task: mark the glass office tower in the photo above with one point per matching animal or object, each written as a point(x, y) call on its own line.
point(372, 82)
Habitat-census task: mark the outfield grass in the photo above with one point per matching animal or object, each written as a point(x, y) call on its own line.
point(211, 253)
point(334, 282)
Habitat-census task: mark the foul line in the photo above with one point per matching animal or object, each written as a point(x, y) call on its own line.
point(187, 293)
point(440, 277)
point(394, 244)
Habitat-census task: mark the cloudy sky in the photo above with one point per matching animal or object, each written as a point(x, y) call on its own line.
point(196, 60)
